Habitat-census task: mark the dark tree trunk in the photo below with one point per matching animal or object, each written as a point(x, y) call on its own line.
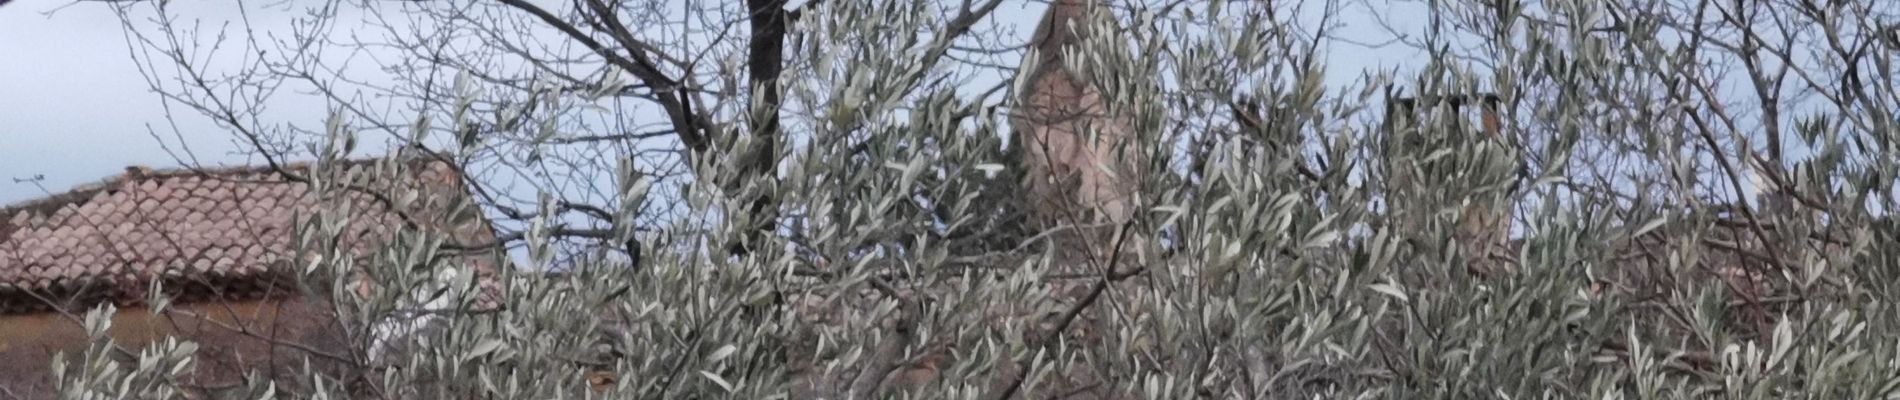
point(765, 61)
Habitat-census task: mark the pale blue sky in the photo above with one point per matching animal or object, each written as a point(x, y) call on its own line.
point(74, 108)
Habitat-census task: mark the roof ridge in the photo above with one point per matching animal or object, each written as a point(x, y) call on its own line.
point(80, 194)
point(141, 172)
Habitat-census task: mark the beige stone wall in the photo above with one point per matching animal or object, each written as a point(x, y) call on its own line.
point(1082, 165)
point(233, 337)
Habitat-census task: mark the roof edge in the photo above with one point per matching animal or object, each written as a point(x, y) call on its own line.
point(78, 194)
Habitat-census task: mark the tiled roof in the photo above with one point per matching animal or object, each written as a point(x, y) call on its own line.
point(206, 234)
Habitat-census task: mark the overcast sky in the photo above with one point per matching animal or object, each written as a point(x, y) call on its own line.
point(74, 108)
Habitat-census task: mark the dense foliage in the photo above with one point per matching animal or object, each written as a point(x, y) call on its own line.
point(1693, 196)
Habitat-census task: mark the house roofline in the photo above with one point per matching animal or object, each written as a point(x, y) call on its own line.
point(80, 193)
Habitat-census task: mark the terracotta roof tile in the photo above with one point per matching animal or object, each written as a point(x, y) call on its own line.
point(231, 224)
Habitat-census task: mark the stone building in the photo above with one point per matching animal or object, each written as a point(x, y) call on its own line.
point(222, 245)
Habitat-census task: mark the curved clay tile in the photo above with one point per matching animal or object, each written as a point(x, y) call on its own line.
point(225, 228)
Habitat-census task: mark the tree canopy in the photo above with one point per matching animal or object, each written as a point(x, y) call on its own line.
point(829, 199)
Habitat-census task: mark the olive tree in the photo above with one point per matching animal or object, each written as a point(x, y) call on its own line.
point(824, 199)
